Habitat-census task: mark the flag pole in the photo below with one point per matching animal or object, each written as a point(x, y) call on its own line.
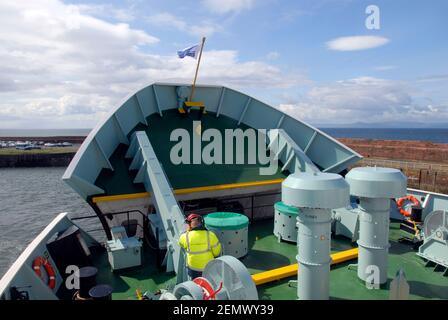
point(197, 69)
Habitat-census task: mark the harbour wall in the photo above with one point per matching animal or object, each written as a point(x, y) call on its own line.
point(399, 150)
point(55, 139)
point(421, 175)
point(424, 163)
point(36, 160)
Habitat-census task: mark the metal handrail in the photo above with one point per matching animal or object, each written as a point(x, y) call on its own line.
point(110, 214)
point(251, 197)
point(83, 217)
point(145, 219)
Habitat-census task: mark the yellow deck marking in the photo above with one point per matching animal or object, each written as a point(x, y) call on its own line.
point(195, 104)
point(120, 197)
point(189, 190)
point(291, 270)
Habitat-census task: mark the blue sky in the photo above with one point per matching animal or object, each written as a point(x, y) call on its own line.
point(67, 63)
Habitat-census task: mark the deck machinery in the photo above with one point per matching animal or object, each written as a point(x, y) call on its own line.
point(126, 173)
point(296, 146)
point(125, 165)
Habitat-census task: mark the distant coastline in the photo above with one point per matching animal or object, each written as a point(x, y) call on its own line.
point(32, 133)
point(411, 133)
point(435, 135)
point(401, 150)
point(52, 139)
point(43, 156)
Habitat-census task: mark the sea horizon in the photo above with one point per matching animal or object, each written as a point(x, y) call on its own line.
point(435, 135)
point(44, 132)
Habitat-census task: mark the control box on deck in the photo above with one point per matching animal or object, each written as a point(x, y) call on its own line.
point(123, 252)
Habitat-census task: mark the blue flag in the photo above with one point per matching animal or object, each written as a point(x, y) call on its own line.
point(190, 51)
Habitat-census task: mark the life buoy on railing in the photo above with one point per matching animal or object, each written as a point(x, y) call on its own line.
point(42, 262)
point(400, 203)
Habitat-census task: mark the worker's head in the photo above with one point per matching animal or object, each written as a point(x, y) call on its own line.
point(193, 220)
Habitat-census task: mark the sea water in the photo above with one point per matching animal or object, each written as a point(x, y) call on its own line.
point(30, 198)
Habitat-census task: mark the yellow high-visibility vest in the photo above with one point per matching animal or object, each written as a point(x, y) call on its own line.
point(201, 247)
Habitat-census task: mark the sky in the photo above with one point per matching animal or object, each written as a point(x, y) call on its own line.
point(67, 64)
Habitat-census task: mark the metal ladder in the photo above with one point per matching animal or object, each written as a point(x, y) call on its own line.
point(152, 175)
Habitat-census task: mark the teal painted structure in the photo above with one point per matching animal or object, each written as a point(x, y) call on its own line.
point(324, 152)
point(375, 188)
point(232, 231)
point(285, 218)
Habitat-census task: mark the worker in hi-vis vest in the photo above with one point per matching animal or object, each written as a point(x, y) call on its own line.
point(200, 244)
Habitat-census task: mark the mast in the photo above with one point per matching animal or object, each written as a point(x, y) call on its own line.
point(197, 69)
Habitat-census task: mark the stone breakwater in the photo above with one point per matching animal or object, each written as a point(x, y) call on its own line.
point(55, 139)
point(36, 160)
point(399, 150)
point(424, 163)
point(46, 157)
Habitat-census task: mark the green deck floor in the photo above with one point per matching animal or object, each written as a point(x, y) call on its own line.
point(266, 253)
point(181, 176)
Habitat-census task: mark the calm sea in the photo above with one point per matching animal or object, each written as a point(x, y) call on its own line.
point(29, 199)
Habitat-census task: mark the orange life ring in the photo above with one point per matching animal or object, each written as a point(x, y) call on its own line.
point(42, 262)
point(400, 203)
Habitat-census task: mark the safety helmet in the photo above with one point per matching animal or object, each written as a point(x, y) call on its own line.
point(192, 216)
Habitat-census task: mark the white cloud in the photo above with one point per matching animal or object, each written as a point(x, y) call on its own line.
point(64, 68)
point(168, 20)
point(356, 43)
point(385, 68)
point(273, 55)
point(363, 99)
point(223, 67)
point(108, 11)
point(228, 6)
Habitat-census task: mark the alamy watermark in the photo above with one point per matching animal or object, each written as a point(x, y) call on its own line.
point(373, 20)
point(373, 277)
point(232, 148)
point(72, 280)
